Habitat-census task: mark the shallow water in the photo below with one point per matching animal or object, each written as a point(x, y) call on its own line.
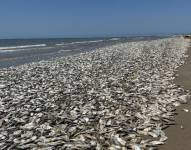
point(14, 52)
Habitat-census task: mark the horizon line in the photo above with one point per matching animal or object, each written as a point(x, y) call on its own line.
point(98, 36)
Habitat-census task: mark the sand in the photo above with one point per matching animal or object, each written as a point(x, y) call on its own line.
point(179, 135)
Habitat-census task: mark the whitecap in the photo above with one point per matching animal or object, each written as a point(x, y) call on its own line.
point(82, 42)
point(23, 46)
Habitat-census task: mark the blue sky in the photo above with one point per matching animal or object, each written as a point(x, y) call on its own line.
point(76, 18)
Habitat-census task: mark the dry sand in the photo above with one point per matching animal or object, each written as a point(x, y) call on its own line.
point(179, 135)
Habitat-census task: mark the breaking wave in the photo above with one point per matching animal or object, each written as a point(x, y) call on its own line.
point(23, 46)
point(83, 42)
point(114, 39)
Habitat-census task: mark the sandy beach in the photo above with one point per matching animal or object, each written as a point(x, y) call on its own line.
point(179, 135)
point(95, 75)
point(110, 98)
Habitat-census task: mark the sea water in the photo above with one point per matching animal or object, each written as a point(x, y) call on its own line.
point(14, 52)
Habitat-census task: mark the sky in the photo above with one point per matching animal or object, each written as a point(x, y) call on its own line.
point(90, 18)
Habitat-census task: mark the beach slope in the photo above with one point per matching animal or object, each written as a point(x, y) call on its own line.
point(179, 135)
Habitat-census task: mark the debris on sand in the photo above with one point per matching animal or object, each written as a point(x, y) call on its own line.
point(110, 98)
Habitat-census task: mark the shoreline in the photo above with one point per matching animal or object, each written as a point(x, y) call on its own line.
point(179, 135)
point(105, 99)
point(15, 56)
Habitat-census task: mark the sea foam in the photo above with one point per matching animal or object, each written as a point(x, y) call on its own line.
point(83, 42)
point(23, 46)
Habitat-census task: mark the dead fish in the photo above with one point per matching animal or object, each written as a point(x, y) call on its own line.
point(186, 110)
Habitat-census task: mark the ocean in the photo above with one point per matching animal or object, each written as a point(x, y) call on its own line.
point(14, 52)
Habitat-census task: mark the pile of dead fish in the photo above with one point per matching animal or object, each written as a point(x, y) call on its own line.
point(118, 97)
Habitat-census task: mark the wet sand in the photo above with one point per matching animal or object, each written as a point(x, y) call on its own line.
point(179, 135)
